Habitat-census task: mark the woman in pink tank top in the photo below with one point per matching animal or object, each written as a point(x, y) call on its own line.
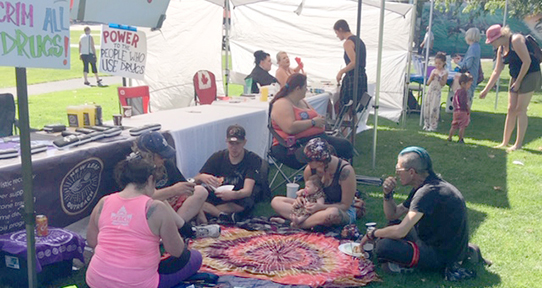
point(297, 122)
point(125, 229)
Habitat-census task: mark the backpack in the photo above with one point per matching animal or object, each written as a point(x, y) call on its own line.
point(533, 47)
point(480, 74)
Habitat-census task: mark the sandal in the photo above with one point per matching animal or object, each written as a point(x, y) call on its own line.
point(87, 83)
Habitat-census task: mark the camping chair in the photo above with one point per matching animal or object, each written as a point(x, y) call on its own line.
point(204, 87)
point(8, 123)
point(275, 161)
point(138, 97)
point(341, 127)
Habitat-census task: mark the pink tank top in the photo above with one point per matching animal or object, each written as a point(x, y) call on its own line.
point(127, 254)
point(300, 114)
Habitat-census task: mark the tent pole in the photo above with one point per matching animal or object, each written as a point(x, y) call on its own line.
point(353, 111)
point(26, 164)
point(227, 43)
point(378, 76)
point(428, 45)
point(499, 79)
point(409, 61)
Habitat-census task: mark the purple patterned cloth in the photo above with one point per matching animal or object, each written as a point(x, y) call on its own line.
point(58, 246)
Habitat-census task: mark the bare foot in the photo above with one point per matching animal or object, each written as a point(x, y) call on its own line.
point(513, 148)
point(500, 145)
point(295, 221)
point(277, 219)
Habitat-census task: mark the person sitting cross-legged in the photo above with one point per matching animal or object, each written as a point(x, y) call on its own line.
point(433, 235)
point(232, 166)
point(186, 198)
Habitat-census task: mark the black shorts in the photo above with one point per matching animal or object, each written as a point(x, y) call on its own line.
point(247, 203)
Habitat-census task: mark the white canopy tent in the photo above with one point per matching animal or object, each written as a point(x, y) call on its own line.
point(190, 40)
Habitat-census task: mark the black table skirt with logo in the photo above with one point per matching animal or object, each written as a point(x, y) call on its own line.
point(66, 186)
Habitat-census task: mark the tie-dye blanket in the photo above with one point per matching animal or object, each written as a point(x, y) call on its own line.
point(300, 258)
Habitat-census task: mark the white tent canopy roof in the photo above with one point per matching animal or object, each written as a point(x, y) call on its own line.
point(390, 6)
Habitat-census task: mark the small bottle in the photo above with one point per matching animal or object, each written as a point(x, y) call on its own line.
point(368, 247)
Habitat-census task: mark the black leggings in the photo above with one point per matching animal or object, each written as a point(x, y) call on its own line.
point(402, 252)
point(287, 156)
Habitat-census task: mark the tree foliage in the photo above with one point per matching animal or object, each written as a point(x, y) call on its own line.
point(516, 8)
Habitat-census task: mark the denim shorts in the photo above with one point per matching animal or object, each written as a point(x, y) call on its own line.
point(351, 212)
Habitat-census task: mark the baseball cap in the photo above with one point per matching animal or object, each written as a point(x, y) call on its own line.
point(493, 32)
point(155, 143)
point(317, 149)
point(235, 133)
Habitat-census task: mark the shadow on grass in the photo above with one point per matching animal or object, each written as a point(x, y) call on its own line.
point(479, 172)
point(485, 123)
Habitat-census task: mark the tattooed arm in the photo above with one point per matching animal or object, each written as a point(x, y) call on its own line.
point(347, 181)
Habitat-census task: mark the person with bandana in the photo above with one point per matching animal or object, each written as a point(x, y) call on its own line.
point(433, 234)
point(339, 184)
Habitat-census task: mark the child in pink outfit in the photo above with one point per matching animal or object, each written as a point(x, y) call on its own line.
point(461, 118)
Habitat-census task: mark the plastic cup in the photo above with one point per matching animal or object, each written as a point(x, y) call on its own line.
point(117, 120)
point(264, 91)
point(291, 189)
point(127, 111)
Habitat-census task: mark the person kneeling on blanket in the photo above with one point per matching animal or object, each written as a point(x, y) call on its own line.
point(433, 234)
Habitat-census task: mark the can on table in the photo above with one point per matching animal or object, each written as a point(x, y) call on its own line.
point(42, 228)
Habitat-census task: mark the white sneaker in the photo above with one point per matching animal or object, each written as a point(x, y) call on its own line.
point(206, 231)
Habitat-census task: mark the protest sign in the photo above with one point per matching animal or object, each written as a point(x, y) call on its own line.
point(123, 52)
point(35, 33)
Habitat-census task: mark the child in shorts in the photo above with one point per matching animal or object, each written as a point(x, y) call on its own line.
point(461, 118)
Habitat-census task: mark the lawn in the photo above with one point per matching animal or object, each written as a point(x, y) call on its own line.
point(503, 190)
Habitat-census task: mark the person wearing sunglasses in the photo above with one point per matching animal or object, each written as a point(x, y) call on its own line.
point(433, 233)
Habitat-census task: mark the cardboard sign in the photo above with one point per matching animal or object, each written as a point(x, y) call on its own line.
point(123, 52)
point(35, 33)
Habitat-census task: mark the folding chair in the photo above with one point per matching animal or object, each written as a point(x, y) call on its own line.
point(8, 123)
point(138, 97)
point(204, 87)
point(275, 161)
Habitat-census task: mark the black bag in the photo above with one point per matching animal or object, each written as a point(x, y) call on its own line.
point(533, 47)
point(412, 102)
point(480, 75)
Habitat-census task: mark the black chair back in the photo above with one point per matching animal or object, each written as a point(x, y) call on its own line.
point(7, 114)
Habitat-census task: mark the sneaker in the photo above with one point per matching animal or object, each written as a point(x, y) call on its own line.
point(207, 231)
point(461, 141)
point(390, 267)
point(87, 83)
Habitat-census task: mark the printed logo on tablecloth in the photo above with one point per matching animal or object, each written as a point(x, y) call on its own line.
point(80, 186)
point(57, 237)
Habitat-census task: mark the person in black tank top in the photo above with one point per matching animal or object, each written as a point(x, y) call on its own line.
point(351, 44)
point(525, 79)
point(339, 181)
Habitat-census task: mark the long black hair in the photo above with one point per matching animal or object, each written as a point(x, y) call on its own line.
point(295, 80)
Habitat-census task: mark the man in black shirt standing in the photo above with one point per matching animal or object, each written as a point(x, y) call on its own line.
point(232, 166)
point(433, 234)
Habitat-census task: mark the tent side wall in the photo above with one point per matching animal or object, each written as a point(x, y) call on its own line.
point(272, 26)
point(190, 40)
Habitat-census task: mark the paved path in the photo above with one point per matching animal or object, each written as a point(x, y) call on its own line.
point(55, 86)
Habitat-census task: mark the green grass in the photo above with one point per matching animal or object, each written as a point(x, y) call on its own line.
point(503, 198)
